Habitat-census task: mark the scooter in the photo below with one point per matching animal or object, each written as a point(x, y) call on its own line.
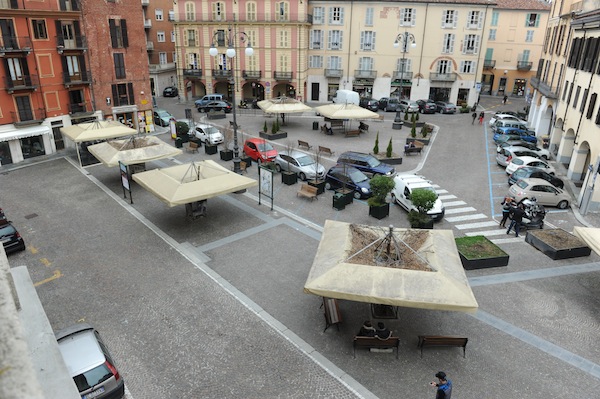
point(534, 214)
point(243, 104)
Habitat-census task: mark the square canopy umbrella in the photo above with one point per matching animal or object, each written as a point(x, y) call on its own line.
point(589, 235)
point(132, 151)
point(98, 130)
point(283, 105)
point(397, 267)
point(184, 184)
point(345, 111)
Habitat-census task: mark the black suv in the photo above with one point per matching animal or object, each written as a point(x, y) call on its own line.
point(369, 103)
point(367, 164)
point(10, 237)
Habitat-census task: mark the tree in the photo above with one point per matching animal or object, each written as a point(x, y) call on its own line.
point(381, 186)
point(376, 148)
point(388, 151)
point(413, 130)
point(423, 199)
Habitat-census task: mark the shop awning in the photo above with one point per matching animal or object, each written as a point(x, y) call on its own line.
point(21, 133)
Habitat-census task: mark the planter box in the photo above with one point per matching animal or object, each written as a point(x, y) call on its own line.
point(276, 136)
point(392, 161)
point(557, 244)
point(339, 202)
point(347, 195)
point(226, 155)
point(499, 259)
point(248, 160)
point(215, 115)
point(289, 178)
point(379, 212)
point(320, 185)
point(210, 149)
point(410, 140)
point(419, 124)
point(423, 225)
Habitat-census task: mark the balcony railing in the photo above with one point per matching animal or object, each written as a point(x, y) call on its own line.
point(524, 65)
point(194, 73)
point(442, 77)
point(77, 43)
point(28, 117)
point(29, 82)
point(407, 74)
point(84, 78)
point(78, 108)
point(334, 73)
point(149, 46)
point(283, 75)
point(251, 74)
point(147, 23)
point(272, 17)
point(365, 74)
point(545, 89)
point(14, 44)
point(489, 64)
point(221, 74)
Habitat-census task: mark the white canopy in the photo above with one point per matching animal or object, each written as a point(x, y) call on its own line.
point(345, 111)
point(132, 151)
point(98, 130)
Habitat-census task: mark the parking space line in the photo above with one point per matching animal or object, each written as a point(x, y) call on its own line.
point(55, 275)
point(466, 217)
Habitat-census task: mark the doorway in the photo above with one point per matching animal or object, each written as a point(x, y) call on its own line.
point(314, 91)
point(502, 86)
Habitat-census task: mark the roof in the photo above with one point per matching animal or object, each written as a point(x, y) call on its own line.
point(540, 5)
point(481, 2)
point(80, 349)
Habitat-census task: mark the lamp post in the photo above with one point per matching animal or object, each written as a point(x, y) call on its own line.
point(230, 53)
point(404, 38)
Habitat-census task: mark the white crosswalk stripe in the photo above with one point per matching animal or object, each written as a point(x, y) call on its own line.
point(460, 210)
point(445, 197)
point(475, 225)
point(454, 203)
point(487, 233)
point(508, 240)
point(466, 217)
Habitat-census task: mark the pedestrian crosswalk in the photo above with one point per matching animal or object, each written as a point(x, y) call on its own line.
point(472, 222)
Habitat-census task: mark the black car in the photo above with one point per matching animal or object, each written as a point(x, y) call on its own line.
point(527, 172)
point(341, 176)
point(170, 91)
point(369, 103)
point(366, 163)
point(382, 102)
point(427, 106)
point(10, 237)
point(216, 106)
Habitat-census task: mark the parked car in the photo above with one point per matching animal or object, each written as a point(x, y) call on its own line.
point(201, 102)
point(216, 106)
point(409, 106)
point(520, 162)
point(90, 364)
point(2, 215)
point(517, 124)
point(389, 104)
point(511, 117)
point(369, 103)
point(404, 184)
point(445, 108)
point(347, 176)
point(170, 91)
point(427, 106)
point(507, 154)
point(208, 134)
point(10, 237)
point(528, 172)
point(366, 163)
point(302, 164)
point(544, 192)
point(260, 150)
point(542, 152)
point(510, 133)
point(162, 117)
point(382, 102)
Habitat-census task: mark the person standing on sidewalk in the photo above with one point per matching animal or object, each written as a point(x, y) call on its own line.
point(474, 115)
point(444, 386)
point(481, 117)
point(504, 99)
point(516, 214)
point(506, 205)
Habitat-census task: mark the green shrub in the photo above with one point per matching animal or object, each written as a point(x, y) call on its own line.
point(376, 147)
point(381, 186)
point(182, 128)
point(423, 199)
point(388, 150)
point(265, 128)
point(417, 117)
point(405, 115)
point(413, 130)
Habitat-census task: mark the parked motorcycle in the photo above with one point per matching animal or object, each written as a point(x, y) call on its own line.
point(534, 214)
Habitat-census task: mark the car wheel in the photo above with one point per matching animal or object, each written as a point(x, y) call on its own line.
point(357, 195)
point(327, 186)
point(394, 198)
point(563, 204)
point(278, 167)
point(302, 176)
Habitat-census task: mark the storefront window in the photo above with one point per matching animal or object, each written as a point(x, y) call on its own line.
point(5, 157)
point(32, 147)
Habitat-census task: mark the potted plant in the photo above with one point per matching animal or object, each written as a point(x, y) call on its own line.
point(477, 252)
point(316, 182)
point(423, 200)
point(345, 194)
point(182, 129)
point(287, 176)
point(227, 153)
point(381, 187)
point(389, 149)
point(376, 147)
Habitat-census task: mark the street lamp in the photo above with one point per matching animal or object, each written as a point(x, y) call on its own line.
point(230, 53)
point(404, 38)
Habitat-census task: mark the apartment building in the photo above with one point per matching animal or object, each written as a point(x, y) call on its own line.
point(277, 32)
point(160, 43)
point(515, 40)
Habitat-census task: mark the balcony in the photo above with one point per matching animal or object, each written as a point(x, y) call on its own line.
point(78, 108)
point(195, 73)
point(83, 78)
point(149, 46)
point(547, 91)
point(147, 23)
point(222, 74)
point(14, 45)
point(365, 74)
point(334, 73)
point(442, 77)
point(283, 75)
point(76, 43)
point(145, 3)
point(407, 74)
point(489, 64)
point(524, 65)
point(28, 117)
point(29, 82)
point(251, 75)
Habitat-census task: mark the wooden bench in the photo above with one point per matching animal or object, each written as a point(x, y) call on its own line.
point(304, 144)
point(353, 133)
point(326, 150)
point(412, 150)
point(192, 147)
point(337, 126)
point(308, 191)
point(374, 342)
point(439, 340)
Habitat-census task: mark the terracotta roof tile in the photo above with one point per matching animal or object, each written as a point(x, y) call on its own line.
point(523, 5)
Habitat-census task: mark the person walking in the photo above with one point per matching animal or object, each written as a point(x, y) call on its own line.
point(516, 213)
point(444, 386)
point(504, 99)
point(474, 115)
point(506, 205)
point(481, 117)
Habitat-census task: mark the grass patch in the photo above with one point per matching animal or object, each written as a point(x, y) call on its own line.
point(478, 247)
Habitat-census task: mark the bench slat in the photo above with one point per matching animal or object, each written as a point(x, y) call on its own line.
point(326, 150)
point(441, 340)
point(308, 191)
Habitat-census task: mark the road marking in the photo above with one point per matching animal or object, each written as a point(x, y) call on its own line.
point(475, 225)
point(454, 203)
point(45, 262)
point(444, 197)
point(508, 240)
point(441, 191)
point(460, 210)
point(56, 275)
point(466, 217)
point(32, 249)
point(486, 232)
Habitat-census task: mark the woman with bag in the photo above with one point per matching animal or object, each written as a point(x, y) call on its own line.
point(506, 205)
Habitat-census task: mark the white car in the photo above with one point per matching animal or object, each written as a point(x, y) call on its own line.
point(404, 184)
point(544, 192)
point(539, 152)
point(208, 134)
point(505, 116)
point(302, 164)
point(520, 162)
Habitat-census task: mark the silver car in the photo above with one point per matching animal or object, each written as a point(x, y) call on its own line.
point(408, 106)
point(544, 192)
point(302, 164)
point(208, 134)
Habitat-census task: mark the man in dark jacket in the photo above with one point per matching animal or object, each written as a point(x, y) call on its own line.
point(516, 214)
point(444, 386)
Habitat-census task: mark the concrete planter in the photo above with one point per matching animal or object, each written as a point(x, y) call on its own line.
point(569, 247)
point(488, 254)
point(271, 136)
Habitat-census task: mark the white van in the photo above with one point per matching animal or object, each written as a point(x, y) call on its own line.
point(346, 97)
point(403, 189)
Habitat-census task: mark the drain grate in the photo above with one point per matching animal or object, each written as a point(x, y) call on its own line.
point(31, 216)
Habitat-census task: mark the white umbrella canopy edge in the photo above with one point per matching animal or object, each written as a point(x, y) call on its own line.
point(589, 235)
point(283, 105)
point(113, 152)
point(345, 111)
point(97, 130)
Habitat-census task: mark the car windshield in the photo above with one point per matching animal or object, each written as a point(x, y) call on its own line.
point(305, 160)
point(357, 176)
point(373, 162)
point(520, 173)
point(211, 130)
point(522, 184)
point(517, 161)
point(92, 378)
point(163, 114)
point(450, 105)
point(263, 147)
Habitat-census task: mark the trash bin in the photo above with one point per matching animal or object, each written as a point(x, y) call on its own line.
point(178, 142)
point(315, 125)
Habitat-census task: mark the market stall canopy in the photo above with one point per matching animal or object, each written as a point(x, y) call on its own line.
point(184, 184)
point(589, 235)
point(345, 111)
point(98, 130)
point(283, 105)
point(419, 268)
point(132, 151)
